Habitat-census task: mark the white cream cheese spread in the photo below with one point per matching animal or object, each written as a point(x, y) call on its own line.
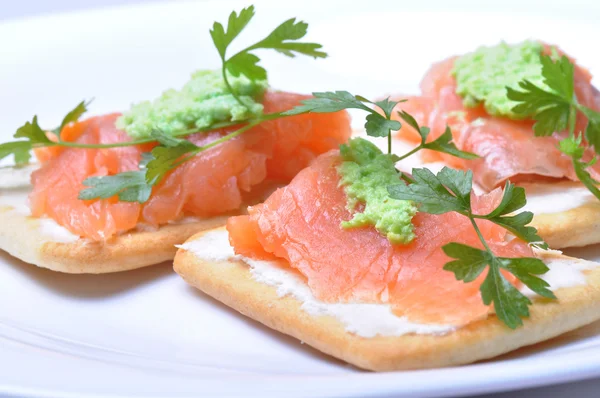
point(366, 320)
point(14, 188)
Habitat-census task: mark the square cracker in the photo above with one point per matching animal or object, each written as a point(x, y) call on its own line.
point(231, 282)
point(22, 237)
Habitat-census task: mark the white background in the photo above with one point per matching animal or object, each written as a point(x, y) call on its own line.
point(10, 9)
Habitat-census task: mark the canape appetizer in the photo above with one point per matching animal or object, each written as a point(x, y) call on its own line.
point(119, 191)
point(532, 116)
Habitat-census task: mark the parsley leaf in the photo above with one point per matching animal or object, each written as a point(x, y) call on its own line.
point(136, 186)
point(526, 269)
point(330, 101)
point(517, 225)
point(377, 125)
point(556, 110)
point(514, 199)
point(571, 146)
point(429, 191)
point(247, 65)
point(550, 109)
point(20, 150)
point(283, 39)
point(33, 132)
point(385, 105)
point(559, 75)
point(36, 136)
point(469, 261)
point(221, 38)
point(450, 191)
point(592, 131)
point(73, 116)
point(165, 158)
point(129, 186)
point(442, 144)
point(509, 303)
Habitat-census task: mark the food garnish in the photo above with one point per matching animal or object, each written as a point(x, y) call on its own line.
point(379, 124)
point(365, 173)
point(35, 137)
point(556, 110)
point(450, 191)
point(284, 39)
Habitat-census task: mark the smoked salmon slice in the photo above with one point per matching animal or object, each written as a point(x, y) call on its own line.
point(215, 182)
point(508, 149)
point(301, 224)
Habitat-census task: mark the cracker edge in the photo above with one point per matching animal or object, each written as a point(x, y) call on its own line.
point(231, 283)
point(21, 237)
point(572, 228)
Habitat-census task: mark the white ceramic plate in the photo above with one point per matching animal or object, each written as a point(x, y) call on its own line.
point(145, 332)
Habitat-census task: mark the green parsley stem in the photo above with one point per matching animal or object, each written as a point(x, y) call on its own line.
point(481, 238)
point(407, 154)
point(229, 136)
point(405, 177)
point(572, 118)
point(70, 144)
point(228, 85)
point(389, 142)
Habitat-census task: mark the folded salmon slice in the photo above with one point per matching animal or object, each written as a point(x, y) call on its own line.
point(508, 148)
point(214, 182)
point(301, 224)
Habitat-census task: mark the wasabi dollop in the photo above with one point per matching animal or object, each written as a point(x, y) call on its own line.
point(203, 101)
point(365, 175)
point(482, 76)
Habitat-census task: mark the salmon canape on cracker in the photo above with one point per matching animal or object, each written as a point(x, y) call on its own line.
point(506, 103)
point(119, 191)
point(359, 294)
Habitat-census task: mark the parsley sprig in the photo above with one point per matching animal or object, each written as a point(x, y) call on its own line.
point(31, 135)
point(129, 186)
point(379, 124)
point(450, 191)
point(556, 110)
point(283, 39)
point(442, 144)
point(172, 151)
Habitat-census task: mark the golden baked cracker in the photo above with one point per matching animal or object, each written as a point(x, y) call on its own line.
point(28, 239)
point(231, 282)
point(571, 228)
